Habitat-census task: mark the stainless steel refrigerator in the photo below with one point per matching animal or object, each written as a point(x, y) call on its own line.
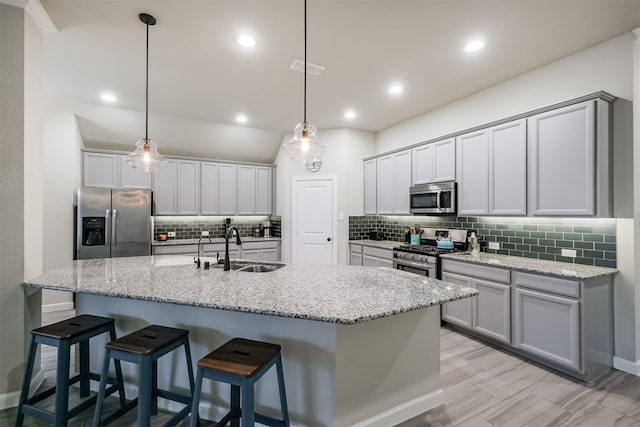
point(112, 223)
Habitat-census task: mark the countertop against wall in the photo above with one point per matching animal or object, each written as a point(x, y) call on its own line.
point(205, 240)
point(384, 244)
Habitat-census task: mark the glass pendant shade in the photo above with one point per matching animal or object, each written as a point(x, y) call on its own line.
point(304, 147)
point(146, 157)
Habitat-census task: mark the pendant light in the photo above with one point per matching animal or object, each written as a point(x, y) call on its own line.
point(305, 147)
point(146, 157)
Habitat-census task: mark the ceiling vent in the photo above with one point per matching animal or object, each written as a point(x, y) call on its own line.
point(313, 69)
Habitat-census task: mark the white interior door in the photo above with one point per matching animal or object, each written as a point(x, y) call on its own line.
point(313, 220)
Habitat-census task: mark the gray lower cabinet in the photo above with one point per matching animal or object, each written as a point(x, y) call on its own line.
point(377, 257)
point(458, 312)
point(355, 254)
point(548, 326)
point(268, 251)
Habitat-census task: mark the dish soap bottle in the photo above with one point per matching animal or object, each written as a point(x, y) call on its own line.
point(473, 240)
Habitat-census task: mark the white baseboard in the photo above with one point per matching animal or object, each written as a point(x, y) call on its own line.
point(11, 399)
point(627, 365)
point(60, 306)
point(404, 411)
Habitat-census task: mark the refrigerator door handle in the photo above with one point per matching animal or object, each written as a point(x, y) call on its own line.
point(107, 228)
point(113, 229)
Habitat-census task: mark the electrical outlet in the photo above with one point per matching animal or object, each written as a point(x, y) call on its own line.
point(171, 234)
point(204, 234)
point(494, 245)
point(571, 253)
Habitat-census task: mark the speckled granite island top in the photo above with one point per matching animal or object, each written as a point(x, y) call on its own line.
point(328, 293)
point(549, 268)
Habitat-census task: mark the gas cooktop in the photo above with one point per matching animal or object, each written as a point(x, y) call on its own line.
point(424, 249)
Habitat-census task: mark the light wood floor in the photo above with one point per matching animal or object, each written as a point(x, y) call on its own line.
point(482, 385)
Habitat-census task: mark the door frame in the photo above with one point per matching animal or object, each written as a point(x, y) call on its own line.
point(294, 217)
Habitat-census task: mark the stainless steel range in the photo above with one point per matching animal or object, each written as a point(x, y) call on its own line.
point(424, 259)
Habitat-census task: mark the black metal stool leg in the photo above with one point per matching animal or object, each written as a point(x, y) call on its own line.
point(84, 368)
point(28, 372)
point(235, 404)
point(62, 385)
point(116, 362)
point(101, 388)
point(144, 391)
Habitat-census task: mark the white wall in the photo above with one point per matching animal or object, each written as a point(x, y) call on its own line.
point(345, 150)
point(607, 66)
point(62, 144)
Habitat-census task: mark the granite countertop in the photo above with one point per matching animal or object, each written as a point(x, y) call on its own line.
point(328, 293)
point(214, 240)
point(549, 268)
point(384, 244)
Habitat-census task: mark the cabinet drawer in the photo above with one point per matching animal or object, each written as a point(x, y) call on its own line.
point(272, 244)
point(377, 252)
point(555, 285)
point(355, 248)
point(175, 250)
point(479, 271)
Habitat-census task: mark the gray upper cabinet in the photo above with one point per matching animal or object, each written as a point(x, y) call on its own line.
point(370, 186)
point(246, 190)
point(508, 169)
point(209, 188)
point(562, 161)
point(100, 170)
point(133, 178)
point(393, 182)
point(188, 187)
point(227, 188)
point(264, 190)
point(473, 173)
point(434, 162)
point(165, 180)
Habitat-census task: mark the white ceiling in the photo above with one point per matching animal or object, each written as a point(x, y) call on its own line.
point(198, 72)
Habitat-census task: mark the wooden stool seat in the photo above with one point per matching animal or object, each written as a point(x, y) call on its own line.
point(241, 363)
point(62, 335)
point(240, 357)
point(147, 340)
point(144, 347)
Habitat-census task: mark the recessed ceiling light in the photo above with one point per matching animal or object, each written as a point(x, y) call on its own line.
point(395, 89)
point(241, 118)
point(108, 97)
point(474, 45)
point(350, 114)
point(246, 40)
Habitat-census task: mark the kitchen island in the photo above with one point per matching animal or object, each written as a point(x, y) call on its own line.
point(360, 345)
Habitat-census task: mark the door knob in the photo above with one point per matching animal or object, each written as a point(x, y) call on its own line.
point(328, 239)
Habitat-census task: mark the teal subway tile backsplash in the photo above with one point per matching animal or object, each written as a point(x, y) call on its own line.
point(593, 239)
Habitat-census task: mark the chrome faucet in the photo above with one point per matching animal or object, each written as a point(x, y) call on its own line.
point(197, 261)
point(227, 235)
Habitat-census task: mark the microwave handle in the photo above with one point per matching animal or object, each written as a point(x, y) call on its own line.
point(438, 199)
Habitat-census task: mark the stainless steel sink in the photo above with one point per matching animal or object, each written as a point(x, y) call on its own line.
point(260, 268)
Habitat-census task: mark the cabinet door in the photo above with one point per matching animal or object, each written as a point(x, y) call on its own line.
point(188, 187)
point(227, 185)
point(386, 184)
point(492, 310)
point(370, 186)
point(355, 259)
point(473, 173)
point(402, 182)
point(385, 263)
point(422, 158)
point(264, 190)
point(508, 169)
point(165, 198)
point(444, 160)
point(100, 170)
point(246, 190)
point(269, 255)
point(252, 254)
point(370, 261)
point(562, 161)
point(458, 312)
point(133, 178)
point(548, 326)
point(209, 188)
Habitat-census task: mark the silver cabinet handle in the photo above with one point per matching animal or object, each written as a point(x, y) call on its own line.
point(113, 228)
point(438, 201)
point(107, 228)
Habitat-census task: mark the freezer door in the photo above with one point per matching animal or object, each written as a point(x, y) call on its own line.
point(93, 223)
point(131, 223)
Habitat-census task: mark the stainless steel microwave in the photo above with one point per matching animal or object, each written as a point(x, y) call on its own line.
point(437, 198)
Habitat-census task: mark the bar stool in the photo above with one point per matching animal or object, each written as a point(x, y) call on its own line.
point(77, 330)
point(144, 347)
point(241, 363)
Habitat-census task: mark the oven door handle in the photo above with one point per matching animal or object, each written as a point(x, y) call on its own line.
point(424, 266)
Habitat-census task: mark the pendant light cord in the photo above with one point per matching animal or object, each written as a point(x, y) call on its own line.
point(146, 105)
point(305, 61)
